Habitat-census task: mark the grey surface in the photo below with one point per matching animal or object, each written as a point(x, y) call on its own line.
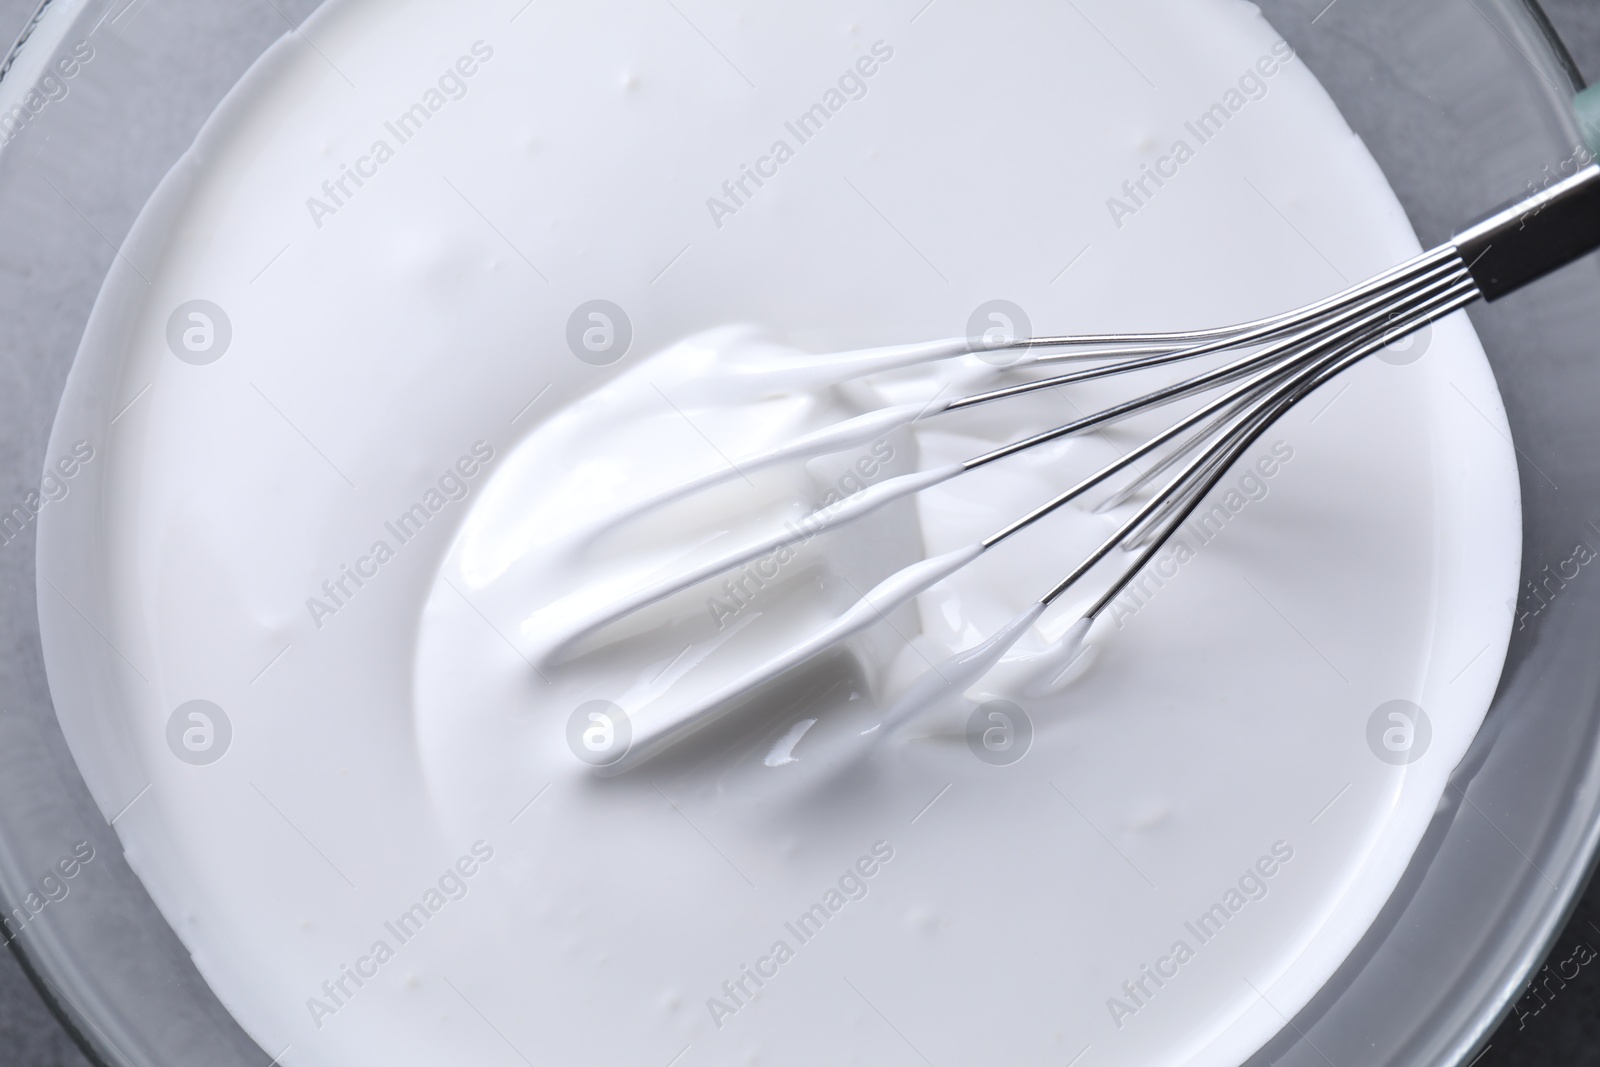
point(30, 1035)
point(1557, 1020)
point(1579, 24)
point(139, 110)
point(1561, 1026)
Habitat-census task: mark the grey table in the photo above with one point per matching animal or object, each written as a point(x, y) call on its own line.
point(1555, 1024)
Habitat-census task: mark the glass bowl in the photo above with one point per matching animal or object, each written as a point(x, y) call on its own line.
point(1464, 105)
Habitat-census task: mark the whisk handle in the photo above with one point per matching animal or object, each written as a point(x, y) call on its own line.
point(1531, 237)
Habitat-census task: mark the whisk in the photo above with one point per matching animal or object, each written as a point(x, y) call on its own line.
point(1271, 365)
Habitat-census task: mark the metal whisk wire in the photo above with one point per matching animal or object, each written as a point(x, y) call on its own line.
point(1277, 362)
